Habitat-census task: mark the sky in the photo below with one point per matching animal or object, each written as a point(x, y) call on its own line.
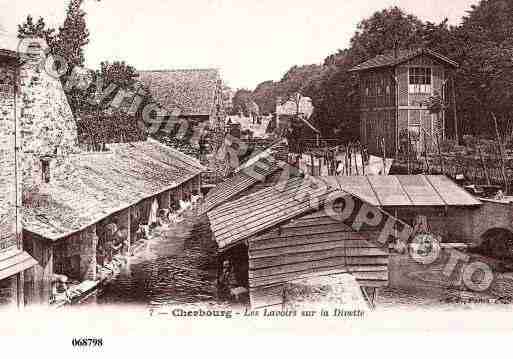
point(249, 41)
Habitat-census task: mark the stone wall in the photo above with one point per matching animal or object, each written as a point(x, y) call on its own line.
point(491, 215)
point(7, 157)
point(47, 124)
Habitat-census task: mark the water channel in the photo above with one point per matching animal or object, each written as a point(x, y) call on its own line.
point(174, 267)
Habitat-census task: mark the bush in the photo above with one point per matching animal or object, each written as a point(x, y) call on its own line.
point(108, 128)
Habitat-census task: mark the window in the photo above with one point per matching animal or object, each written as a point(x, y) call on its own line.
point(381, 86)
point(420, 80)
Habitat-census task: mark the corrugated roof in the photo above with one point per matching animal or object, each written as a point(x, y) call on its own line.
point(405, 190)
point(249, 215)
point(192, 92)
point(96, 185)
point(390, 59)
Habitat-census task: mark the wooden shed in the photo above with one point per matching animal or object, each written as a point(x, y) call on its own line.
point(287, 234)
point(433, 201)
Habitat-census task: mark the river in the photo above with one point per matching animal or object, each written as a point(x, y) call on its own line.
point(176, 266)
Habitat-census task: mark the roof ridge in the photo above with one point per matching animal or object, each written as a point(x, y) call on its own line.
point(192, 159)
point(388, 59)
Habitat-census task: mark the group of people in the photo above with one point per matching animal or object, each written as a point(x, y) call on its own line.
point(113, 241)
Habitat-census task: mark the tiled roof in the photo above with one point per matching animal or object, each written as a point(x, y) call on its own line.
point(192, 92)
point(402, 56)
point(254, 170)
point(240, 219)
point(240, 182)
point(404, 190)
point(268, 152)
point(97, 185)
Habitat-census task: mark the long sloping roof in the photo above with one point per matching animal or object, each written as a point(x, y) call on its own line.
point(191, 92)
point(97, 185)
point(390, 59)
point(237, 220)
point(404, 190)
point(258, 156)
point(240, 182)
point(254, 170)
point(8, 45)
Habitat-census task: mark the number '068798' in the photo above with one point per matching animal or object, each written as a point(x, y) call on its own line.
point(87, 342)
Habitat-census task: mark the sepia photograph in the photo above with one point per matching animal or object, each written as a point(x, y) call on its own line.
point(281, 166)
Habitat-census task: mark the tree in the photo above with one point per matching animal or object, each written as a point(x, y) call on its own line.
point(386, 31)
point(123, 75)
point(67, 44)
point(265, 95)
point(73, 35)
point(485, 77)
point(241, 99)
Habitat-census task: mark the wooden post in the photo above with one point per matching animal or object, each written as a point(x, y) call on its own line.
point(408, 152)
point(456, 134)
point(501, 154)
point(425, 151)
point(20, 295)
point(349, 159)
point(346, 160)
point(483, 164)
point(356, 161)
point(440, 154)
point(128, 242)
point(363, 160)
point(384, 155)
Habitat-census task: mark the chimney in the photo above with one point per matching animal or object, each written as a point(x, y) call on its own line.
point(33, 51)
point(45, 169)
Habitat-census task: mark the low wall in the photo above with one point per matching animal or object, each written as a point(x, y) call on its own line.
point(491, 215)
point(406, 273)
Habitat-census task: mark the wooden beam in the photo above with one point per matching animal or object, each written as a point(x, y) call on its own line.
point(308, 248)
point(255, 263)
point(312, 240)
point(321, 263)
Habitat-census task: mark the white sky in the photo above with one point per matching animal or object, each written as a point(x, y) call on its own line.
point(249, 41)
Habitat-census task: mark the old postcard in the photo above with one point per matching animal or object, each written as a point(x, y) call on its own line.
point(284, 166)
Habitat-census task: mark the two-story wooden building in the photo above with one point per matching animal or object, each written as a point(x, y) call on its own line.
point(394, 88)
